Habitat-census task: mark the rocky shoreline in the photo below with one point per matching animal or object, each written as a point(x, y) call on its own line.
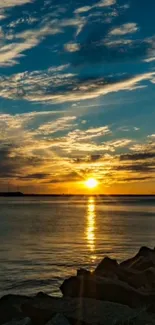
point(113, 294)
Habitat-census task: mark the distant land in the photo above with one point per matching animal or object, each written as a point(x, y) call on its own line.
point(20, 194)
point(12, 194)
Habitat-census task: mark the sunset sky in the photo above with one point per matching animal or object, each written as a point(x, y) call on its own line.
point(77, 95)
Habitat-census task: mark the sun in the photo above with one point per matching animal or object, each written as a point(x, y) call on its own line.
point(91, 183)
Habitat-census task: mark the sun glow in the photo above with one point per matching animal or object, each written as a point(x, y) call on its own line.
point(91, 183)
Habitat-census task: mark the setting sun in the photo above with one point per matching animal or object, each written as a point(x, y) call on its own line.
point(91, 183)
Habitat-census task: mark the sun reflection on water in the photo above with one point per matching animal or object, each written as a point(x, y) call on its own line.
point(90, 232)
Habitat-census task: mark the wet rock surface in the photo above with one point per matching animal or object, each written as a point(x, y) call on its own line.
point(113, 294)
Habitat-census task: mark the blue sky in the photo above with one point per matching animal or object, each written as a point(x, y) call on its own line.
point(77, 93)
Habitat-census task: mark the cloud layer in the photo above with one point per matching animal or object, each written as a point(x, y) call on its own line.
point(77, 92)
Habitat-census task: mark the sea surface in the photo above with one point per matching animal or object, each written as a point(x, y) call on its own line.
point(43, 240)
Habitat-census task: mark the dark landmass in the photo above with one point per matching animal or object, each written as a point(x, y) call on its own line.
point(73, 195)
point(113, 294)
point(12, 194)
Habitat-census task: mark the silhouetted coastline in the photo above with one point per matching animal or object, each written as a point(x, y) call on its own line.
point(12, 194)
point(70, 195)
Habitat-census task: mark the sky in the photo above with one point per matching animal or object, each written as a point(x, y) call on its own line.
point(77, 96)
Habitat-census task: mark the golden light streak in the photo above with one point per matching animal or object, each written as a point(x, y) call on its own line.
point(90, 231)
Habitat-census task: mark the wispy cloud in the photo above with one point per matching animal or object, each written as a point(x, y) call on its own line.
point(124, 29)
point(21, 42)
point(13, 3)
point(57, 87)
point(100, 4)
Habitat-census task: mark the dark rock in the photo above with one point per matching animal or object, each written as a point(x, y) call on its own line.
point(105, 289)
point(10, 307)
point(85, 311)
point(137, 279)
point(41, 295)
point(83, 272)
point(38, 316)
point(107, 265)
point(25, 321)
point(81, 311)
point(59, 319)
point(145, 258)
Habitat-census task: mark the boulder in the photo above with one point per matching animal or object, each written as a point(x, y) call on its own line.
point(10, 307)
point(106, 266)
point(105, 289)
point(85, 311)
point(38, 316)
point(58, 319)
point(136, 279)
point(25, 321)
point(83, 272)
point(144, 259)
point(140, 276)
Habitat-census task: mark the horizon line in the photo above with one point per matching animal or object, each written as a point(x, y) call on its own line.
point(21, 194)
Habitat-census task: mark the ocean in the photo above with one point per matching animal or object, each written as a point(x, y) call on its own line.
point(44, 240)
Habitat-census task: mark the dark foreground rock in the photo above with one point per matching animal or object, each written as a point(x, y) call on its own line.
point(58, 319)
point(25, 321)
point(144, 259)
point(10, 307)
point(113, 294)
point(51, 311)
point(131, 282)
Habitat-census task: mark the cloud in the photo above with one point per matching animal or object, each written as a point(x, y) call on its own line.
point(71, 47)
point(58, 68)
point(138, 156)
point(13, 3)
point(151, 59)
point(152, 136)
point(124, 29)
point(100, 4)
point(2, 15)
point(82, 9)
point(24, 20)
point(41, 147)
point(53, 87)
point(85, 135)
point(106, 3)
point(16, 44)
point(76, 22)
point(102, 49)
point(61, 124)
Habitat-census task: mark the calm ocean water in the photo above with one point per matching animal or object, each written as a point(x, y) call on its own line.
point(44, 240)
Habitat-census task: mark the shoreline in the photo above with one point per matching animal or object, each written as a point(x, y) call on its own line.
point(113, 293)
point(20, 194)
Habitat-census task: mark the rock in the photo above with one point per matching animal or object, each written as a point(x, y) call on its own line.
point(107, 290)
point(102, 289)
point(107, 265)
point(10, 307)
point(139, 277)
point(136, 279)
point(25, 321)
point(38, 316)
point(85, 311)
point(41, 295)
point(145, 258)
point(83, 272)
point(58, 319)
